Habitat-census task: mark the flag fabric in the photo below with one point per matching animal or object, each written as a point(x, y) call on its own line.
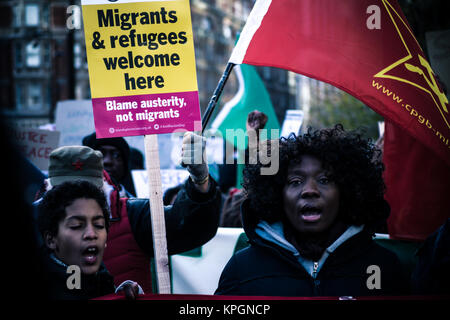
point(417, 186)
point(252, 94)
point(366, 48)
point(372, 56)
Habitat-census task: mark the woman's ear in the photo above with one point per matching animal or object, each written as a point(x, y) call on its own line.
point(50, 241)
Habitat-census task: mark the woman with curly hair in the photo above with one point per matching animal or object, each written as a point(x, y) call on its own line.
point(310, 225)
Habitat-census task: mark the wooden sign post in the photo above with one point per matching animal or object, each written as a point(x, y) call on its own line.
point(157, 213)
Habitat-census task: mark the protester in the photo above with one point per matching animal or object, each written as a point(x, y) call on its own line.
point(136, 159)
point(231, 209)
point(190, 222)
point(431, 274)
point(310, 225)
point(116, 161)
point(26, 272)
point(73, 221)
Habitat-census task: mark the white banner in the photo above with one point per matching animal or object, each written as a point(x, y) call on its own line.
point(200, 275)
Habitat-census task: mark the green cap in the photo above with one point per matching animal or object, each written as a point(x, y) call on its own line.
point(71, 163)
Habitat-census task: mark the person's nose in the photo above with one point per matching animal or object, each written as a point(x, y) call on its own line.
point(90, 232)
point(310, 189)
point(107, 158)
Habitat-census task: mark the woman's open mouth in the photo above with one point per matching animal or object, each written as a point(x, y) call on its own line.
point(310, 213)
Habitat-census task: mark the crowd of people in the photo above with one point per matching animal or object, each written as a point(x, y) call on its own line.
point(310, 226)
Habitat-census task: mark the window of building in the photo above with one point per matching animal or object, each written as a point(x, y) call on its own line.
point(29, 97)
point(33, 54)
point(32, 15)
point(34, 101)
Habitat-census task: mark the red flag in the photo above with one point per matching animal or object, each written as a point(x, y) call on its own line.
point(366, 48)
point(372, 56)
point(417, 186)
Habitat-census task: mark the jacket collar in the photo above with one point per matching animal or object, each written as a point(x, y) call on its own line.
point(274, 233)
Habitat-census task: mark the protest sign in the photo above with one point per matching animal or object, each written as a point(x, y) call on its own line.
point(169, 178)
point(292, 122)
point(141, 66)
point(74, 120)
point(36, 144)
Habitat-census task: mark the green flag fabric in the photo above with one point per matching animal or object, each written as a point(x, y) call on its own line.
point(252, 95)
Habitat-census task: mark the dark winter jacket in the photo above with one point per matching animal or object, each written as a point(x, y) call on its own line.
point(431, 275)
point(271, 266)
point(91, 286)
point(190, 222)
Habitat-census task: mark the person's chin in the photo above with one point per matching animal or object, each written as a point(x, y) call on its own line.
point(90, 265)
point(90, 269)
point(313, 227)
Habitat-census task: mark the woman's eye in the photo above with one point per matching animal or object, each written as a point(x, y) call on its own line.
point(75, 227)
point(295, 182)
point(100, 226)
point(324, 180)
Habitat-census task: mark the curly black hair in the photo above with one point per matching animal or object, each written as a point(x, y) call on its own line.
point(355, 166)
point(52, 208)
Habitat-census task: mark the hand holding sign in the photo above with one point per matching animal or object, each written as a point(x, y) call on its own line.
point(193, 155)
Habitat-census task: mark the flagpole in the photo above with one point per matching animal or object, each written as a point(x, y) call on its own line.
point(216, 95)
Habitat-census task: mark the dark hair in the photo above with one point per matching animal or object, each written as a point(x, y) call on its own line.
point(355, 167)
point(52, 208)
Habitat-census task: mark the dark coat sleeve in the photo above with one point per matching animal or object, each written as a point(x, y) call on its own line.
point(191, 221)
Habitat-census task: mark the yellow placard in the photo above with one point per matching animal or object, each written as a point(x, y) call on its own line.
point(139, 48)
